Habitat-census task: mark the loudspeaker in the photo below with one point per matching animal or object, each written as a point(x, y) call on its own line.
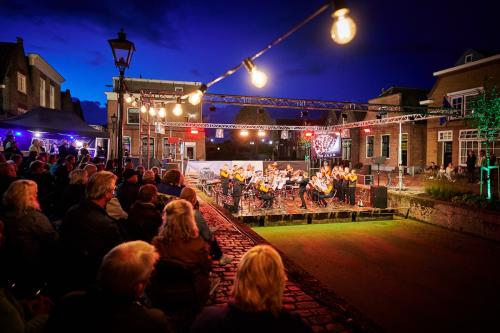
point(378, 196)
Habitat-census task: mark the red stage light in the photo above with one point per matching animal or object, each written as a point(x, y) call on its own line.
point(308, 134)
point(367, 130)
point(194, 131)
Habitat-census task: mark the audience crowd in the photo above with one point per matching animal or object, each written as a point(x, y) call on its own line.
point(85, 247)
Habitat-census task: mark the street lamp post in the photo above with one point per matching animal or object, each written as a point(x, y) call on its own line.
point(122, 54)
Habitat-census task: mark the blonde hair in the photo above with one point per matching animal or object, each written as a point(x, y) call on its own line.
point(260, 280)
point(126, 265)
point(78, 176)
point(22, 196)
point(99, 183)
point(179, 222)
point(189, 194)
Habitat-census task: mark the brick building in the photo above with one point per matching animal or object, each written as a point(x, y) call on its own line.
point(26, 81)
point(378, 141)
point(449, 141)
point(174, 141)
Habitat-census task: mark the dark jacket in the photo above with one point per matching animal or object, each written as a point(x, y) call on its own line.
point(127, 195)
point(95, 311)
point(230, 319)
point(471, 161)
point(45, 189)
point(143, 221)
point(202, 225)
point(87, 234)
point(31, 245)
point(73, 194)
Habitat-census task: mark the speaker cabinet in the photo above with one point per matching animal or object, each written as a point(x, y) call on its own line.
point(378, 196)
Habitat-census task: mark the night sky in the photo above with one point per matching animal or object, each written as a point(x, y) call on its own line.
point(399, 43)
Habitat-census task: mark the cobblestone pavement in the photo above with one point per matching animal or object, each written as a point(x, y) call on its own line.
point(234, 242)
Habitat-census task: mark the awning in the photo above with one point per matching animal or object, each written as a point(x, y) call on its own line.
point(52, 121)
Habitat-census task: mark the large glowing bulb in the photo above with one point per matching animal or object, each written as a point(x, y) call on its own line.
point(152, 111)
point(261, 133)
point(177, 109)
point(128, 99)
point(343, 28)
point(143, 109)
point(259, 79)
point(195, 97)
point(162, 113)
point(244, 132)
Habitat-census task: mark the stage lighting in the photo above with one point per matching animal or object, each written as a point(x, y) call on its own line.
point(367, 130)
point(308, 134)
point(259, 79)
point(162, 112)
point(343, 27)
point(37, 134)
point(152, 111)
point(244, 132)
point(194, 131)
point(195, 97)
point(129, 99)
point(177, 111)
point(261, 133)
point(143, 109)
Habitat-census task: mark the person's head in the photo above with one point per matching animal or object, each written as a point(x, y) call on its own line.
point(8, 169)
point(100, 167)
point(37, 167)
point(22, 196)
point(35, 142)
point(129, 164)
point(78, 176)
point(155, 170)
point(172, 177)
point(70, 159)
point(148, 176)
point(189, 194)
point(91, 169)
point(43, 156)
point(126, 269)
point(130, 176)
point(147, 193)
point(85, 145)
point(32, 155)
point(353, 171)
point(433, 163)
point(450, 165)
point(346, 169)
point(179, 222)
point(482, 152)
point(140, 169)
point(442, 166)
point(260, 280)
point(101, 186)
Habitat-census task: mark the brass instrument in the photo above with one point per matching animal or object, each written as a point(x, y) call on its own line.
point(239, 177)
point(224, 173)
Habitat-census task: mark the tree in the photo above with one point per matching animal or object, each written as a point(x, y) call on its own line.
point(486, 118)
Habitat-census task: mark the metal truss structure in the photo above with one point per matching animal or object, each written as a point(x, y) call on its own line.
point(326, 129)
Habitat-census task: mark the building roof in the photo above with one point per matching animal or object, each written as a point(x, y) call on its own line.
point(135, 85)
point(37, 61)
point(477, 59)
point(7, 54)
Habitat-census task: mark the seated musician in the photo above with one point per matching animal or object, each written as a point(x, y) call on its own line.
point(326, 192)
point(265, 194)
point(249, 173)
point(224, 178)
point(353, 179)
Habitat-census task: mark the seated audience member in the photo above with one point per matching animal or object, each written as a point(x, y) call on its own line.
point(7, 176)
point(441, 174)
point(172, 183)
point(432, 170)
point(32, 240)
point(140, 172)
point(450, 172)
point(128, 189)
point(189, 194)
point(42, 178)
point(156, 171)
point(114, 304)
point(91, 169)
point(148, 178)
point(75, 192)
point(179, 243)
point(257, 299)
point(144, 219)
point(88, 232)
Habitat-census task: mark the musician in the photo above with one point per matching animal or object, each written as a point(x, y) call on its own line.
point(302, 181)
point(249, 174)
point(353, 179)
point(238, 183)
point(326, 170)
point(345, 185)
point(339, 183)
point(265, 194)
point(326, 192)
point(224, 178)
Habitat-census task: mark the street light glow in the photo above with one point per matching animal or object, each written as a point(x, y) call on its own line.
point(244, 132)
point(143, 109)
point(195, 97)
point(343, 27)
point(162, 113)
point(152, 111)
point(177, 111)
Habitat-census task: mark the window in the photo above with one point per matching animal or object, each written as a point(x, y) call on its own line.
point(470, 140)
point(169, 149)
point(133, 116)
point(445, 136)
point(469, 99)
point(468, 58)
point(404, 149)
point(127, 146)
point(346, 149)
point(21, 82)
point(42, 92)
point(385, 146)
point(457, 102)
point(369, 145)
point(52, 97)
point(179, 89)
point(151, 147)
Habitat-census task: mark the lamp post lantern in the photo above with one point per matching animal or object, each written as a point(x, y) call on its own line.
point(123, 50)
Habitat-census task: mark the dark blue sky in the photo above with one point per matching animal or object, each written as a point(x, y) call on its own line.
point(398, 43)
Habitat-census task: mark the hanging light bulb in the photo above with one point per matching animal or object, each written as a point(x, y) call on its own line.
point(244, 132)
point(261, 133)
point(134, 103)
point(128, 99)
point(343, 27)
point(196, 96)
point(152, 111)
point(162, 113)
point(259, 79)
point(177, 111)
point(143, 108)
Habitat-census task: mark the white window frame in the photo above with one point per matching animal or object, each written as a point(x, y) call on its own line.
point(382, 145)
point(468, 58)
point(472, 135)
point(21, 83)
point(145, 139)
point(373, 146)
point(345, 155)
point(52, 97)
point(179, 89)
point(163, 151)
point(43, 100)
point(138, 112)
point(463, 94)
point(444, 136)
point(130, 142)
point(189, 144)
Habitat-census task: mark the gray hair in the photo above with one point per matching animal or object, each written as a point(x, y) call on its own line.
point(100, 183)
point(78, 176)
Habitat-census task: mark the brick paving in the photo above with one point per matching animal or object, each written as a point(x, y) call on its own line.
point(236, 242)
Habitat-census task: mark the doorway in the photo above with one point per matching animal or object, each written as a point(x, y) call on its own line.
point(447, 153)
